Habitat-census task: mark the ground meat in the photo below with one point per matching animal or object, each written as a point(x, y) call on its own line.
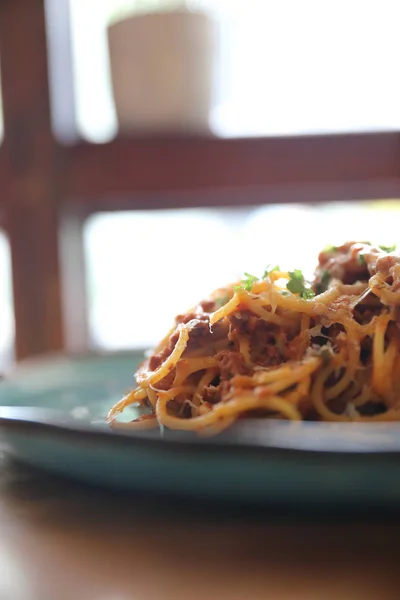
point(212, 394)
point(180, 407)
point(333, 331)
point(156, 360)
point(343, 263)
point(231, 364)
point(263, 348)
point(167, 381)
point(242, 322)
point(190, 316)
point(200, 326)
point(201, 335)
point(389, 266)
point(332, 337)
point(364, 313)
point(207, 306)
point(203, 309)
point(386, 262)
point(262, 338)
point(353, 262)
point(343, 304)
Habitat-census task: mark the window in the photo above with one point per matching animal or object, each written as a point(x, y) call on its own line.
point(146, 267)
point(285, 67)
point(143, 267)
point(6, 308)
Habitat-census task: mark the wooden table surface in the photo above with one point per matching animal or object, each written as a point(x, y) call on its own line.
point(61, 540)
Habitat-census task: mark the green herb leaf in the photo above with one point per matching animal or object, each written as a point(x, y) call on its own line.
point(322, 286)
point(247, 284)
point(388, 248)
point(361, 260)
point(269, 270)
point(296, 281)
point(307, 294)
point(297, 285)
point(330, 248)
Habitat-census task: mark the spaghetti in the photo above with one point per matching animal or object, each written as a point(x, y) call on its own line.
point(280, 347)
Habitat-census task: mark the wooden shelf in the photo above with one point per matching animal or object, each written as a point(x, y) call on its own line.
point(154, 173)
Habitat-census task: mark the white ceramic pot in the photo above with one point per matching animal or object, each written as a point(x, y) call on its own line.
point(162, 67)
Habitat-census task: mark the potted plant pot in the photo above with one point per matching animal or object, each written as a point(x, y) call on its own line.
point(162, 69)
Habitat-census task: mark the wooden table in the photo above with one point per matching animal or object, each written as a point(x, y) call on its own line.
point(61, 540)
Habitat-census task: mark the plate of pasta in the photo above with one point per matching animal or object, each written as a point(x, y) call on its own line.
point(274, 385)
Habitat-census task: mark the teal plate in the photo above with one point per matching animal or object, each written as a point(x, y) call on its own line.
point(52, 416)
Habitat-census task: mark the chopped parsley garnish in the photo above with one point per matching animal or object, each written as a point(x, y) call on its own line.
point(330, 248)
point(297, 285)
point(247, 284)
point(388, 248)
point(361, 260)
point(307, 294)
point(269, 270)
point(322, 286)
point(296, 282)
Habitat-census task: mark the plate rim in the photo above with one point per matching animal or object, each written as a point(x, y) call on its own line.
point(225, 443)
point(222, 445)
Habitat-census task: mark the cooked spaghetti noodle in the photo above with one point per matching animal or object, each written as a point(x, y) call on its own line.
point(279, 347)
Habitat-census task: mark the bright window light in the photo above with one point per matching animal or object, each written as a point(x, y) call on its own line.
point(6, 307)
point(284, 67)
point(144, 268)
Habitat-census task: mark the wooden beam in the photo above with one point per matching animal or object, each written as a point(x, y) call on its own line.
point(31, 210)
point(236, 197)
point(153, 172)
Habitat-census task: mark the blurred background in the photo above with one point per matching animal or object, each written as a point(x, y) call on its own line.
point(154, 150)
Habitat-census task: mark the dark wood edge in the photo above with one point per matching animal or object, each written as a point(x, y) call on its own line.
point(252, 196)
point(344, 164)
